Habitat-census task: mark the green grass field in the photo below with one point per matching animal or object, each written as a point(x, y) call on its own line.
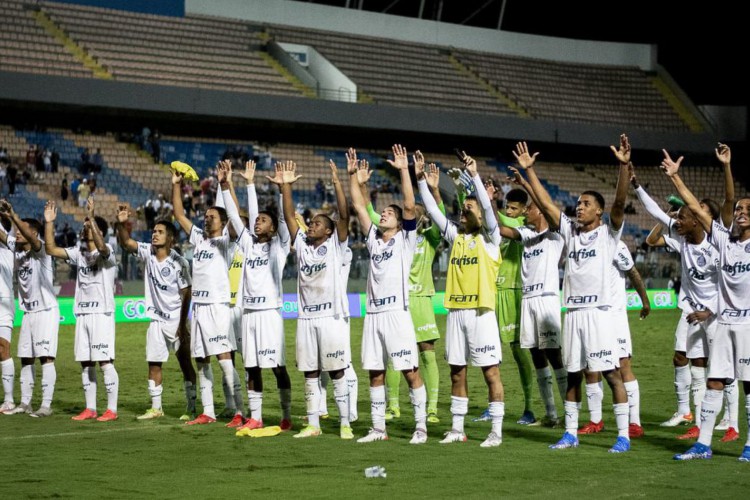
point(56, 457)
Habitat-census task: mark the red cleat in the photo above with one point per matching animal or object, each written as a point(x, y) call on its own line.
point(692, 433)
point(592, 428)
point(730, 435)
point(251, 424)
point(635, 431)
point(87, 414)
point(285, 424)
point(107, 416)
point(237, 421)
point(201, 420)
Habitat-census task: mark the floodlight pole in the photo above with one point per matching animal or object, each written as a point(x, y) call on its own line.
point(502, 14)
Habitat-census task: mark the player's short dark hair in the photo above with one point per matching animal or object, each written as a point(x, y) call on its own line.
point(471, 197)
point(273, 217)
point(597, 196)
point(399, 212)
point(101, 223)
point(713, 207)
point(35, 225)
point(6, 223)
point(329, 222)
point(222, 213)
point(168, 227)
point(518, 196)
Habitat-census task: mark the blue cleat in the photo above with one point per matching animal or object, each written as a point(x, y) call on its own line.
point(745, 457)
point(567, 441)
point(700, 451)
point(527, 418)
point(484, 417)
point(622, 445)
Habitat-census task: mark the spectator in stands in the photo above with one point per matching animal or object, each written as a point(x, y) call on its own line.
point(55, 158)
point(84, 190)
point(92, 182)
point(156, 146)
point(97, 161)
point(4, 157)
point(74, 189)
point(64, 189)
point(145, 138)
point(149, 212)
point(320, 191)
point(47, 160)
point(85, 166)
point(31, 157)
point(3, 173)
point(329, 191)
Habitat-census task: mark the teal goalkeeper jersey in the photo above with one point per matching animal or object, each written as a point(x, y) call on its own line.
point(509, 274)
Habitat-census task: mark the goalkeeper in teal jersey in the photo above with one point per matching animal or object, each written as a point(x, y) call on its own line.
point(421, 291)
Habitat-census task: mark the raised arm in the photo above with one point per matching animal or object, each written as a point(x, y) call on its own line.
point(544, 200)
point(617, 212)
point(640, 288)
point(671, 168)
point(227, 183)
point(21, 226)
point(252, 195)
point(357, 180)
point(342, 206)
point(648, 203)
point(724, 155)
point(123, 235)
point(401, 162)
point(229, 198)
point(490, 219)
point(656, 237)
point(50, 214)
point(96, 235)
point(285, 176)
point(425, 180)
point(179, 210)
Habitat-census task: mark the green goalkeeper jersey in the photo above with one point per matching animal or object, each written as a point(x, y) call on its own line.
point(509, 274)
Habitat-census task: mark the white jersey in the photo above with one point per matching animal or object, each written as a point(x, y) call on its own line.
point(263, 269)
point(390, 263)
point(734, 275)
point(621, 264)
point(211, 260)
point(35, 280)
point(95, 286)
point(539, 261)
point(346, 267)
point(163, 282)
point(320, 290)
point(699, 270)
point(6, 266)
point(588, 263)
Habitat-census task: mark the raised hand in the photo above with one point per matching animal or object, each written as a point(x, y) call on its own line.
point(351, 161)
point(334, 170)
point(515, 177)
point(631, 174)
point(50, 211)
point(123, 213)
point(418, 158)
point(363, 172)
point(489, 186)
point(6, 209)
point(723, 154)
point(288, 172)
point(278, 177)
point(249, 173)
point(90, 205)
point(432, 176)
point(623, 153)
point(176, 177)
point(400, 158)
point(524, 159)
point(224, 171)
point(471, 166)
point(669, 166)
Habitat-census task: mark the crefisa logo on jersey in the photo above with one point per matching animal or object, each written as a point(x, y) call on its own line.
point(165, 271)
point(322, 251)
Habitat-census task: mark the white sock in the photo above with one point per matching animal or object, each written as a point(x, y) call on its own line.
point(732, 401)
point(709, 411)
point(155, 392)
point(594, 397)
point(206, 382)
point(111, 385)
point(634, 401)
point(285, 399)
point(255, 405)
point(190, 395)
point(49, 377)
point(544, 380)
point(698, 387)
point(88, 378)
point(227, 383)
point(324, 378)
point(237, 389)
point(561, 376)
point(341, 395)
point(682, 389)
point(459, 409)
point(27, 383)
point(418, 399)
point(621, 418)
point(353, 383)
point(377, 407)
point(9, 376)
point(747, 412)
point(571, 416)
point(312, 400)
point(497, 412)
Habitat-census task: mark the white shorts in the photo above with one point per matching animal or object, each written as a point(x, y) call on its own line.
point(388, 339)
point(161, 338)
point(263, 338)
point(38, 336)
point(621, 328)
point(693, 340)
point(235, 328)
point(95, 337)
point(322, 344)
point(7, 315)
point(472, 335)
point(209, 332)
point(540, 322)
point(588, 341)
point(729, 358)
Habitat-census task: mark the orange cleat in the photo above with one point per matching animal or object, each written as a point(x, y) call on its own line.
point(201, 420)
point(730, 435)
point(87, 414)
point(592, 428)
point(237, 421)
point(108, 416)
point(692, 433)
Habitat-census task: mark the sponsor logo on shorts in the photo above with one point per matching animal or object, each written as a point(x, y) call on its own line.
point(384, 301)
point(744, 361)
point(317, 307)
point(464, 261)
point(463, 298)
point(600, 354)
point(485, 348)
point(88, 305)
point(402, 353)
point(335, 355)
point(41, 343)
point(427, 327)
point(200, 293)
point(622, 341)
point(582, 299)
point(582, 254)
point(550, 333)
point(532, 288)
point(266, 352)
point(509, 327)
point(158, 312)
point(100, 347)
point(382, 257)
point(256, 262)
point(736, 313)
point(218, 338)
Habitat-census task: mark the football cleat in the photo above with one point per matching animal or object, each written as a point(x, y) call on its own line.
point(43, 411)
point(285, 424)
point(346, 432)
point(432, 417)
point(309, 431)
point(692, 433)
point(7, 406)
point(696, 452)
point(419, 437)
point(22, 408)
point(107, 416)
point(745, 457)
point(528, 418)
point(730, 435)
point(201, 419)
point(374, 435)
point(622, 445)
point(87, 414)
point(484, 417)
point(251, 424)
point(150, 414)
point(567, 441)
point(635, 431)
point(678, 419)
point(492, 440)
point(392, 412)
point(453, 436)
point(237, 421)
point(592, 428)
point(723, 425)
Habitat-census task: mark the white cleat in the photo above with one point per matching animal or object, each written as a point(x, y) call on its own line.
point(374, 435)
point(22, 408)
point(723, 425)
point(453, 436)
point(492, 440)
point(43, 411)
point(7, 406)
point(419, 437)
point(678, 419)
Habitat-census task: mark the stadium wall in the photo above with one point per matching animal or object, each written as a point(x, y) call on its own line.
point(323, 17)
point(175, 8)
